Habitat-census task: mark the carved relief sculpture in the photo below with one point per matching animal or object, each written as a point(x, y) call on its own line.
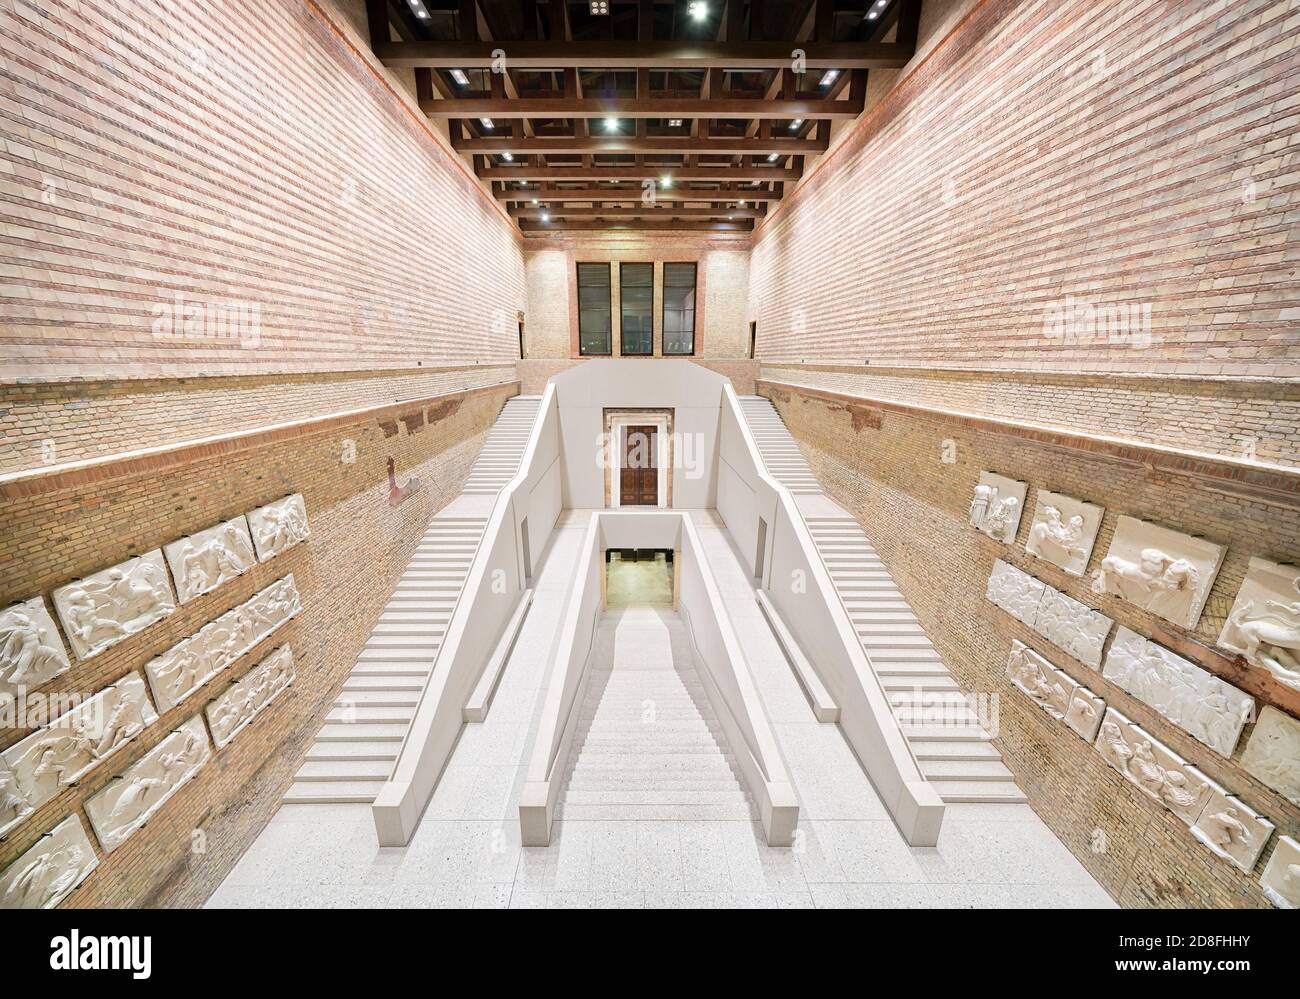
point(144, 787)
point(1264, 623)
point(1281, 878)
point(1152, 768)
point(202, 562)
point(1085, 713)
point(1197, 701)
point(244, 700)
point(76, 742)
point(1046, 685)
point(1072, 625)
point(47, 873)
point(997, 505)
point(101, 610)
point(1232, 829)
point(279, 526)
point(14, 807)
point(190, 664)
point(1016, 592)
point(1063, 531)
point(31, 652)
point(1163, 571)
point(1273, 753)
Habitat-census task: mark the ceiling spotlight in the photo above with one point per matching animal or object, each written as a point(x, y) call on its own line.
point(773, 157)
point(599, 7)
point(417, 8)
point(486, 122)
point(742, 204)
point(872, 15)
point(508, 157)
point(829, 77)
point(698, 9)
point(546, 217)
point(611, 124)
point(674, 123)
point(796, 124)
point(459, 77)
point(534, 201)
point(665, 181)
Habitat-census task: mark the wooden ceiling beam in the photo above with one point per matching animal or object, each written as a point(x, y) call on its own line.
point(539, 228)
point(631, 145)
point(726, 173)
point(635, 107)
point(674, 194)
point(676, 211)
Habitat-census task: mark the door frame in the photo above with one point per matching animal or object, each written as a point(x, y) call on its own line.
point(618, 424)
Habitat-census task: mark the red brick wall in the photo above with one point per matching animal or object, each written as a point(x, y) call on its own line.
point(1053, 153)
point(237, 155)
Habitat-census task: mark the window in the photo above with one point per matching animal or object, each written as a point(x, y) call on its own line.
point(636, 291)
point(595, 309)
point(679, 308)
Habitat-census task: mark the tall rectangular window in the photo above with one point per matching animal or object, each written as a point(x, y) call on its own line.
point(595, 309)
point(636, 292)
point(679, 309)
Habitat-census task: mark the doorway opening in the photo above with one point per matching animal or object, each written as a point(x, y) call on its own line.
point(521, 338)
point(760, 551)
point(640, 577)
point(639, 466)
point(753, 339)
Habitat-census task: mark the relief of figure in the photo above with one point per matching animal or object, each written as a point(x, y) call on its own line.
point(1177, 794)
point(1158, 582)
point(1289, 885)
point(279, 527)
point(979, 505)
point(1149, 775)
point(81, 613)
point(1225, 830)
point(147, 790)
point(1114, 747)
point(124, 723)
point(1082, 714)
point(26, 652)
point(180, 670)
point(1067, 537)
point(1270, 637)
point(45, 878)
point(13, 806)
point(998, 521)
point(219, 559)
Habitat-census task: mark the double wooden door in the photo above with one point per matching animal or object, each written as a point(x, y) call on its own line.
point(638, 473)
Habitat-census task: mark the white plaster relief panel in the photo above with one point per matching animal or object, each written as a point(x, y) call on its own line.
point(1264, 623)
point(1232, 829)
point(1281, 878)
point(1085, 713)
point(1063, 531)
point(1153, 769)
point(63, 752)
point(101, 610)
point(1045, 685)
point(1016, 592)
point(997, 505)
point(229, 714)
point(31, 651)
point(14, 807)
point(128, 803)
point(201, 562)
point(47, 873)
point(1165, 572)
point(1197, 701)
point(1072, 625)
point(189, 664)
point(279, 526)
point(1273, 753)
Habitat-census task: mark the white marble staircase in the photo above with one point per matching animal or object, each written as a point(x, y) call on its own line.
point(941, 726)
point(356, 747)
point(781, 453)
point(499, 460)
point(648, 745)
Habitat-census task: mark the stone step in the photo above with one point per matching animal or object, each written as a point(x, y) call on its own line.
point(357, 683)
point(886, 642)
point(357, 750)
point(656, 813)
point(360, 732)
point(910, 669)
point(966, 770)
point(414, 654)
point(371, 715)
point(312, 793)
point(414, 670)
point(658, 795)
point(377, 699)
point(1000, 792)
point(923, 683)
point(944, 733)
point(975, 749)
point(344, 770)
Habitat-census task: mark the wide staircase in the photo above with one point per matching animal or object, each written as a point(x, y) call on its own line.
point(499, 460)
point(356, 748)
point(648, 745)
point(781, 453)
point(940, 723)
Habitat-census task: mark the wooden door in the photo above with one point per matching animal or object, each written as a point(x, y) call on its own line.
point(639, 476)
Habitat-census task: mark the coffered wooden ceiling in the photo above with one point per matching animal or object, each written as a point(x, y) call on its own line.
point(641, 114)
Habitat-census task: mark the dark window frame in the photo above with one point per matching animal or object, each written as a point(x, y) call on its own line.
point(622, 309)
point(609, 309)
point(695, 291)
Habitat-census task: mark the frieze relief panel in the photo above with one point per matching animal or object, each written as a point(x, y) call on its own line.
point(1045, 685)
point(1264, 623)
point(1085, 713)
point(1063, 531)
point(1232, 829)
point(144, 787)
point(31, 651)
point(1273, 753)
point(997, 505)
point(101, 610)
point(47, 873)
point(1197, 701)
point(203, 561)
point(1281, 878)
point(189, 664)
point(1153, 769)
point(230, 713)
point(1072, 626)
point(279, 526)
point(1016, 592)
point(1165, 572)
point(63, 752)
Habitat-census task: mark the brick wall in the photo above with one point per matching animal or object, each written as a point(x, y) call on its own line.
point(721, 290)
point(240, 166)
point(887, 471)
point(1048, 158)
point(345, 573)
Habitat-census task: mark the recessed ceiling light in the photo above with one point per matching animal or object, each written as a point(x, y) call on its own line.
point(486, 122)
point(459, 77)
point(418, 8)
point(796, 124)
point(611, 124)
point(773, 157)
point(698, 9)
point(742, 204)
point(534, 201)
point(508, 157)
point(665, 181)
point(599, 7)
point(674, 123)
point(546, 217)
point(829, 77)
point(872, 15)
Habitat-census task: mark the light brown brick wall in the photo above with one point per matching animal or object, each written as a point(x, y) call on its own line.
point(233, 154)
point(886, 469)
point(345, 573)
point(1049, 151)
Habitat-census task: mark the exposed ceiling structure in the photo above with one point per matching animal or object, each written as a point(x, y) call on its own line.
point(641, 114)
